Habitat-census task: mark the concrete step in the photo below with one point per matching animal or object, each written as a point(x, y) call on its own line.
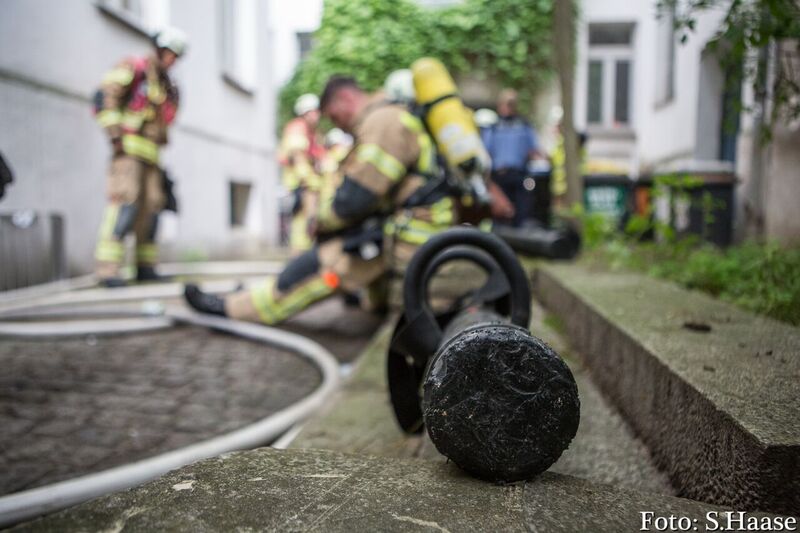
point(315, 490)
point(711, 389)
point(360, 420)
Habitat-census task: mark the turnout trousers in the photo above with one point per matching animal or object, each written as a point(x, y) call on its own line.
point(313, 276)
point(135, 198)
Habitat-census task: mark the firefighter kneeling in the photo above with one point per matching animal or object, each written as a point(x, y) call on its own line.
point(392, 198)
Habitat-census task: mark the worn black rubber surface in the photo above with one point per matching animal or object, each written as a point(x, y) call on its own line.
point(500, 403)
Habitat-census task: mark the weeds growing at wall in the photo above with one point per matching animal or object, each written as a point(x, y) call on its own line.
point(760, 277)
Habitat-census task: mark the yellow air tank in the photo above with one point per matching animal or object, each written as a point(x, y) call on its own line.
point(450, 122)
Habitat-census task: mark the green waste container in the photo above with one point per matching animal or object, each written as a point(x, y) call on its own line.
point(608, 194)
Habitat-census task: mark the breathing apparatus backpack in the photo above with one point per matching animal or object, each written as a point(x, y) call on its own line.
point(452, 128)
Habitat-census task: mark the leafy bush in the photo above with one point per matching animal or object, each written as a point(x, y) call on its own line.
point(368, 39)
point(763, 278)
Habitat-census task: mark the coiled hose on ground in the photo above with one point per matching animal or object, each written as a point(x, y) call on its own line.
point(15, 318)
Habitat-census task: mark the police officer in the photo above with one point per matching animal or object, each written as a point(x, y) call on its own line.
point(300, 156)
point(511, 143)
point(389, 202)
point(136, 104)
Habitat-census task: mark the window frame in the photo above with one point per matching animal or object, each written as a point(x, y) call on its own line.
point(608, 56)
point(240, 195)
point(666, 58)
point(137, 22)
point(230, 67)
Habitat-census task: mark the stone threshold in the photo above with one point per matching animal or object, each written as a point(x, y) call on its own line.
point(316, 490)
point(712, 390)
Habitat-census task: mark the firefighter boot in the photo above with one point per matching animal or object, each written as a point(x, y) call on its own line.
point(204, 302)
point(148, 273)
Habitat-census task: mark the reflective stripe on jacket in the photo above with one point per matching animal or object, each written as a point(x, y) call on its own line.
point(139, 103)
point(392, 154)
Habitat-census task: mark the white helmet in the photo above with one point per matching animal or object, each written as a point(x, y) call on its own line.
point(399, 86)
point(485, 117)
point(172, 39)
point(336, 137)
point(555, 115)
point(304, 104)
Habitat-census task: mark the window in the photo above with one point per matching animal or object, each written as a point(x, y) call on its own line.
point(665, 57)
point(145, 16)
point(615, 33)
point(595, 92)
point(622, 84)
point(609, 76)
point(239, 195)
point(304, 42)
point(239, 39)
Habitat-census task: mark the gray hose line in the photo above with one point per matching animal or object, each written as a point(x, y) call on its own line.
point(85, 327)
point(29, 504)
point(121, 294)
point(67, 289)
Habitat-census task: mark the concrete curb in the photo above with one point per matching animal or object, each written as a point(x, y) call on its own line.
point(315, 490)
point(718, 410)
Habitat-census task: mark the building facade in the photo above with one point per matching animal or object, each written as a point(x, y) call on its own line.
point(221, 155)
point(634, 82)
point(652, 104)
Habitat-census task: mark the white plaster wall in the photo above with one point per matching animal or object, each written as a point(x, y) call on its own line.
point(650, 121)
point(60, 155)
point(782, 187)
point(287, 18)
point(711, 85)
point(669, 131)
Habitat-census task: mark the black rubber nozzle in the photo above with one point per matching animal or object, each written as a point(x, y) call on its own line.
point(500, 403)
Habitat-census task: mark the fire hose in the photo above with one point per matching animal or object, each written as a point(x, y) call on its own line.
point(31, 503)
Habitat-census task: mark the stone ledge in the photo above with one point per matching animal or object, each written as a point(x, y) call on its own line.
point(359, 420)
point(302, 490)
point(719, 410)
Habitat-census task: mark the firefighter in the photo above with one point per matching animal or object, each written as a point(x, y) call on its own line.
point(136, 104)
point(300, 156)
point(391, 199)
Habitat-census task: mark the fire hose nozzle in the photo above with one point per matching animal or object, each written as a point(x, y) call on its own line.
point(496, 400)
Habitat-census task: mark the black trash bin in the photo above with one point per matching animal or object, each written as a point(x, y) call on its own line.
point(696, 203)
point(537, 184)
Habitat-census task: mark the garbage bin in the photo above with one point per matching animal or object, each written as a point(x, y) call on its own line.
point(608, 194)
point(696, 203)
point(31, 248)
point(537, 183)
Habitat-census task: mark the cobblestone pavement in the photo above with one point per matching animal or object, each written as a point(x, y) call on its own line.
point(77, 405)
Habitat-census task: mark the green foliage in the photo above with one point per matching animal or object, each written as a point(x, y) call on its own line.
point(505, 39)
point(747, 30)
point(597, 229)
point(762, 278)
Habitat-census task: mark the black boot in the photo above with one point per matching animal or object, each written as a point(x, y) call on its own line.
point(148, 273)
point(351, 299)
point(113, 283)
point(204, 302)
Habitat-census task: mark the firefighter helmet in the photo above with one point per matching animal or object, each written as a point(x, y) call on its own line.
point(172, 39)
point(336, 137)
point(304, 104)
point(485, 118)
point(399, 86)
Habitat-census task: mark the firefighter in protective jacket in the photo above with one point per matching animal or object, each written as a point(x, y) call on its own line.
point(136, 104)
point(300, 154)
point(392, 198)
